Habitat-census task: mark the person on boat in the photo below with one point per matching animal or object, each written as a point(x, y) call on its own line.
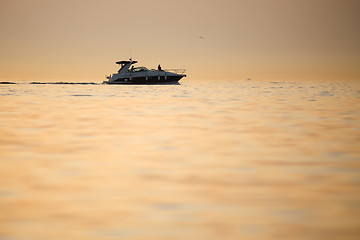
point(159, 68)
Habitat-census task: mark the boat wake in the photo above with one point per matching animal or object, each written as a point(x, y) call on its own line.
point(91, 83)
point(7, 83)
point(71, 83)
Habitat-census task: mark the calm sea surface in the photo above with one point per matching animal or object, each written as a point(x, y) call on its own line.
point(200, 160)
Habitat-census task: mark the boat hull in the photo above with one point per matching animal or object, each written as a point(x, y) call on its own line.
point(147, 80)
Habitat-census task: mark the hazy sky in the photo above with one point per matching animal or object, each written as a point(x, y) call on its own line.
point(79, 40)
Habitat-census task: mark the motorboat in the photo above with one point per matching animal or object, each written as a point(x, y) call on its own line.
point(128, 74)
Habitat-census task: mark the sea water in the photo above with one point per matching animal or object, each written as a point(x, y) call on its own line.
point(200, 160)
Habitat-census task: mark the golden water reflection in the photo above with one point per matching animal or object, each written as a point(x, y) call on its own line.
point(231, 160)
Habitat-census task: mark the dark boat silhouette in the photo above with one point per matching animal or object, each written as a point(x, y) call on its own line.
point(142, 75)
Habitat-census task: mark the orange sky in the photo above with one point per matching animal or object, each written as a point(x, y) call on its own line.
point(80, 40)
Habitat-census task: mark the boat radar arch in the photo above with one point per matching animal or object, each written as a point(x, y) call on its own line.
point(125, 65)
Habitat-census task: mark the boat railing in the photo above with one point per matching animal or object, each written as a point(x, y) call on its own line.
point(177, 71)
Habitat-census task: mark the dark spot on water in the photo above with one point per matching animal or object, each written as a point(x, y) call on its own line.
point(347, 113)
point(326, 93)
point(179, 96)
point(81, 95)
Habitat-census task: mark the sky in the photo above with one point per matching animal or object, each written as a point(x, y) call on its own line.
point(80, 40)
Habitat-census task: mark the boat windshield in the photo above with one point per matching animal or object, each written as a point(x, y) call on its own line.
point(140, 69)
